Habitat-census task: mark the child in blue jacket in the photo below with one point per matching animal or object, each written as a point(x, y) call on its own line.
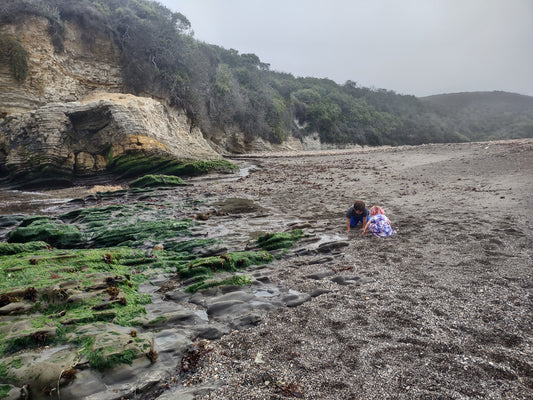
point(358, 213)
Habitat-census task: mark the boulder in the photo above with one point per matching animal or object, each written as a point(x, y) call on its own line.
point(60, 142)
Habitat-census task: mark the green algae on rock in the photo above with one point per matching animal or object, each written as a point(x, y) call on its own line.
point(47, 230)
point(97, 214)
point(83, 303)
point(226, 262)
point(135, 233)
point(16, 248)
point(131, 165)
point(157, 181)
point(279, 240)
point(203, 167)
point(238, 280)
point(109, 348)
point(70, 283)
point(121, 225)
point(56, 297)
point(200, 270)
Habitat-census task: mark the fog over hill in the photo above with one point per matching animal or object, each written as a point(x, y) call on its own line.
point(485, 115)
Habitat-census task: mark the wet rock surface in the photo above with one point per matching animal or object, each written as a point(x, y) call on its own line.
point(440, 310)
point(119, 357)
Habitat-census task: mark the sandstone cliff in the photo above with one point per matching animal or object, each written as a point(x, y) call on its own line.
point(78, 71)
point(61, 141)
point(68, 118)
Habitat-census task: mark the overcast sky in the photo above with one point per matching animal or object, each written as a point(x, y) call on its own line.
point(419, 47)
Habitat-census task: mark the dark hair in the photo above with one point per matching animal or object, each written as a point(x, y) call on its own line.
point(359, 206)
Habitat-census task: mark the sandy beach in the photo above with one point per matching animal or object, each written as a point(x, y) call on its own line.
point(442, 310)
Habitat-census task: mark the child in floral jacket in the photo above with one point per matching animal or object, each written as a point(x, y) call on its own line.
point(378, 224)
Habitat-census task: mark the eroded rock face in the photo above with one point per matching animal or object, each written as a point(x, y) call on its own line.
point(68, 140)
point(78, 71)
point(68, 119)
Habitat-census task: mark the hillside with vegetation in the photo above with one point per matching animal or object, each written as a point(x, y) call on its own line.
point(223, 91)
point(485, 115)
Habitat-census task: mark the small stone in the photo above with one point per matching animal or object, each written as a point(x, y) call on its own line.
point(259, 358)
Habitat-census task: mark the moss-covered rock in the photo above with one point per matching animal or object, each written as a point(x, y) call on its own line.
point(69, 292)
point(136, 233)
point(204, 167)
point(279, 240)
point(73, 286)
point(85, 299)
point(16, 248)
point(228, 262)
point(238, 280)
point(96, 214)
point(47, 230)
point(131, 165)
point(88, 299)
point(34, 218)
point(110, 347)
point(157, 181)
point(203, 269)
point(129, 225)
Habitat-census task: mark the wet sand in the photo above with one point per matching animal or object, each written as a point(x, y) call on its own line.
point(442, 310)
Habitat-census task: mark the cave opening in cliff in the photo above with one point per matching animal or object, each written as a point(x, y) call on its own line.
point(92, 127)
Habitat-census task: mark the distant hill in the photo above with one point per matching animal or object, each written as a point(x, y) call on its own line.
point(485, 115)
point(496, 101)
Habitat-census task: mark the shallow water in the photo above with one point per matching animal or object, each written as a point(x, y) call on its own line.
point(51, 201)
point(39, 202)
point(20, 202)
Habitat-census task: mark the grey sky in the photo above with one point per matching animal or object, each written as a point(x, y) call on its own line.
point(419, 47)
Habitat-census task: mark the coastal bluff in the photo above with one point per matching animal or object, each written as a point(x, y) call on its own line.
point(71, 116)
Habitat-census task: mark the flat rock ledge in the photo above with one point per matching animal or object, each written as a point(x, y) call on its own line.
point(175, 322)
